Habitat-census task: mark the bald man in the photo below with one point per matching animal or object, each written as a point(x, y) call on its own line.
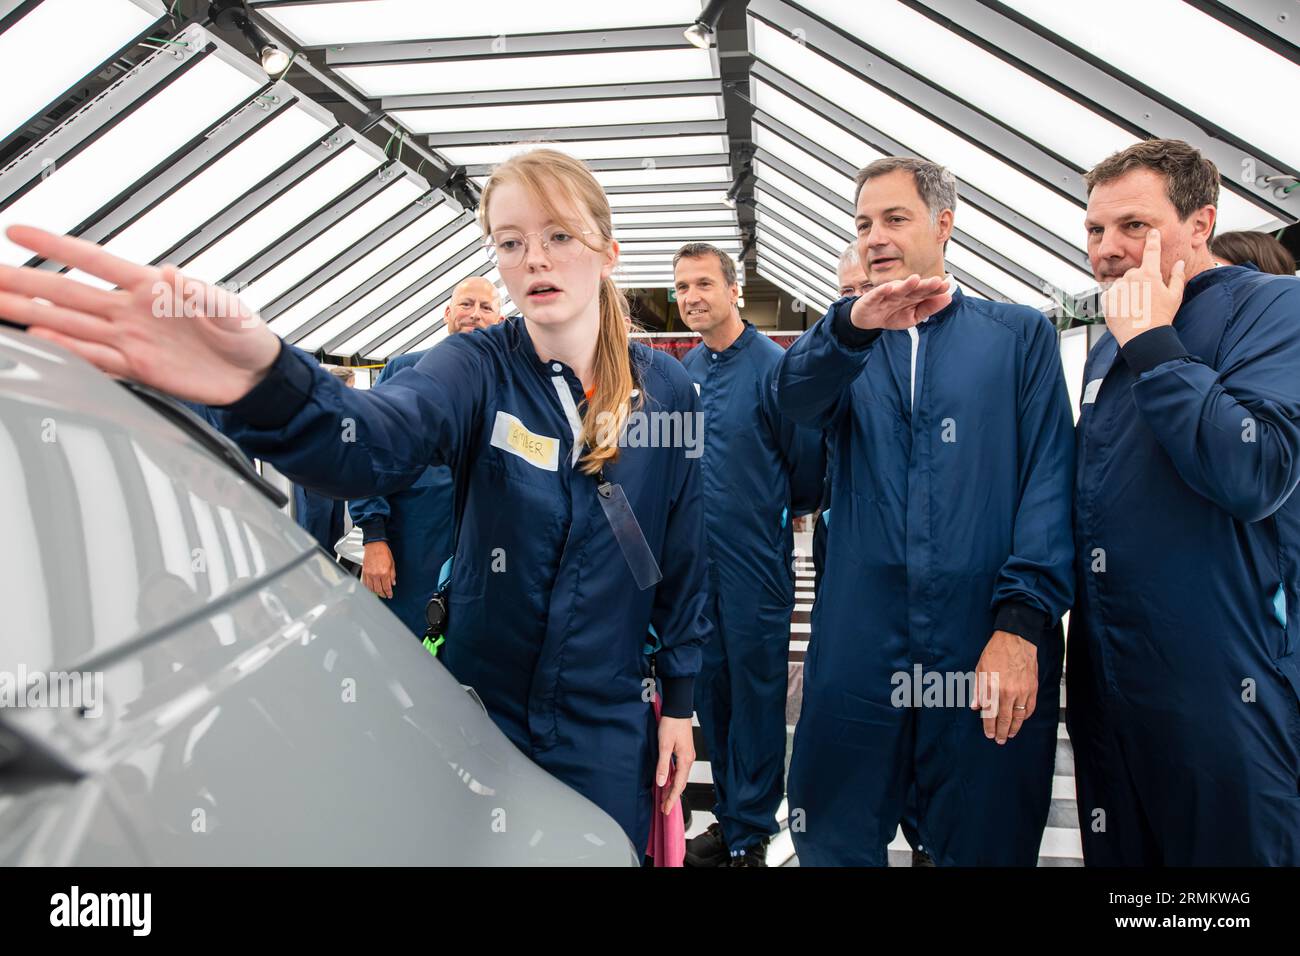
point(474, 305)
point(414, 530)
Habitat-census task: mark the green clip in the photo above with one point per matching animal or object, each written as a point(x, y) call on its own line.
point(432, 645)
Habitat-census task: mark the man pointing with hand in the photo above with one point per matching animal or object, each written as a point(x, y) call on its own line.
point(951, 436)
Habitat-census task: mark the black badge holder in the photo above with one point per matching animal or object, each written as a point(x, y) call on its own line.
point(641, 561)
point(437, 611)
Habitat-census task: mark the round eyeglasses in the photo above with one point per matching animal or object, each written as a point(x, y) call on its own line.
point(509, 247)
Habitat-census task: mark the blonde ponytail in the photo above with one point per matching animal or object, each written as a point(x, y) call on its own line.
point(608, 408)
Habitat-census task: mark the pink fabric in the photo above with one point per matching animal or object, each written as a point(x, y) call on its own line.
point(667, 833)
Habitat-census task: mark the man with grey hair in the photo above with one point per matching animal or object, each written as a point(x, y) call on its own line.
point(950, 568)
point(760, 470)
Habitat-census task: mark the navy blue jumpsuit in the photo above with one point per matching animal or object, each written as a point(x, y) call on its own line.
point(952, 520)
point(1184, 684)
point(418, 524)
point(547, 623)
point(760, 470)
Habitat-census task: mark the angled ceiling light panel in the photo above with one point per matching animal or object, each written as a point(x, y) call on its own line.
point(920, 134)
point(797, 255)
point(541, 72)
point(589, 149)
point(59, 42)
point(827, 211)
point(428, 263)
point(378, 21)
point(969, 72)
point(696, 197)
point(810, 166)
point(368, 265)
point(792, 287)
point(628, 248)
point(554, 115)
point(348, 231)
point(719, 233)
point(436, 293)
point(819, 230)
point(727, 216)
point(288, 210)
point(983, 270)
point(272, 145)
point(1242, 95)
point(766, 224)
point(652, 175)
point(835, 139)
point(817, 280)
point(128, 150)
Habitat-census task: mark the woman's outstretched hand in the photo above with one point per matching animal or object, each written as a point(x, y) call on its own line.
point(182, 336)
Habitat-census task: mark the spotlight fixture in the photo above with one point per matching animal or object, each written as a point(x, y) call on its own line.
point(701, 33)
point(233, 15)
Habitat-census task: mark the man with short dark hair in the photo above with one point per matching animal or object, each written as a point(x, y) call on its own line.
point(949, 565)
point(759, 471)
point(1183, 673)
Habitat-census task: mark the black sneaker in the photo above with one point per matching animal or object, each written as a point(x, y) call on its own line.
point(708, 849)
point(754, 855)
point(921, 858)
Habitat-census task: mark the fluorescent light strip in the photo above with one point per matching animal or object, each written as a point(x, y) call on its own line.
point(830, 213)
point(1243, 93)
point(653, 175)
point(696, 197)
point(770, 239)
point(833, 239)
point(588, 149)
point(813, 126)
point(791, 286)
point(632, 248)
point(111, 164)
point(55, 45)
point(805, 162)
point(444, 286)
point(726, 216)
point(373, 21)
point(560, 114)
point(368, 265)
point(680, 234)
point(980, 268)
point(816, 280)
point(766, 222)
point(920, 134)
point(166, 223)
point(534, 72)
point(286, 212)
point(390, 287)
point(348, 231)
point(1021, 251)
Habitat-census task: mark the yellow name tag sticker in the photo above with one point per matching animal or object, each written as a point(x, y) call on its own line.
point(510, 434)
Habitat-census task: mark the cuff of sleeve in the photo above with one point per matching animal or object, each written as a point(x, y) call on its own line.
point(277, 398)
point(1022, 619)
point(375, 529)
point(848, 334)
point(679, 696)
point(1153, 347)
